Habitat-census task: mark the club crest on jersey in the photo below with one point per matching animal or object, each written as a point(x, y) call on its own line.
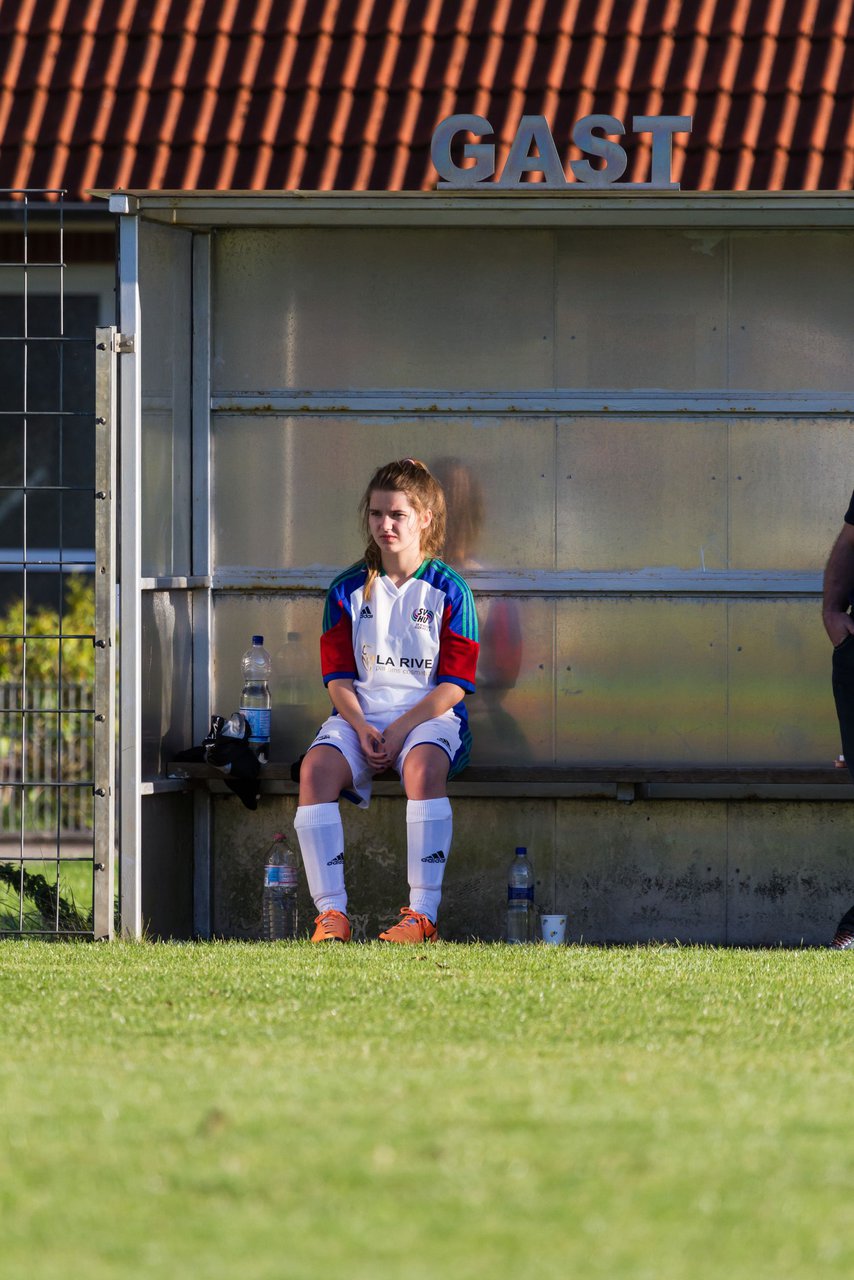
point(422, 618)
point(369, 658)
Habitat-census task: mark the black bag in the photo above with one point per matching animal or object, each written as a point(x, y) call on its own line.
point(227, 749)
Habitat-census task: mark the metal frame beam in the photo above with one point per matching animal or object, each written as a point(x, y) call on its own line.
point(493, 207)
point(201, 568)
point(130, 629)
point(105, 633)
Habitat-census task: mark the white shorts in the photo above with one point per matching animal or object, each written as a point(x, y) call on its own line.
point(444, 732)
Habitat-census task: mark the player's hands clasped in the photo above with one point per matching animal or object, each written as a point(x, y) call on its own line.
point(392, 744)
point(373, 745)
point(381, 748)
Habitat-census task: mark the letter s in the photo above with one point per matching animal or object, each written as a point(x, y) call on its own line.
point(613, 154)
point(482, 152)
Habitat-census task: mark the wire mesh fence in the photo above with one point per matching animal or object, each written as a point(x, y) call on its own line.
point(47, 757)
point(47, 577)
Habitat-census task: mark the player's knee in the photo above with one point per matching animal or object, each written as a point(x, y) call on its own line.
point(321, 776)
point(425, 773)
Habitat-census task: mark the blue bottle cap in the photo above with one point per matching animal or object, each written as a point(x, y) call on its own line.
point(521, 851)
point(257, 639)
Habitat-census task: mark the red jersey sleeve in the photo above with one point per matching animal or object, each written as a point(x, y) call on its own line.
point(458, 640)
point(337, 660)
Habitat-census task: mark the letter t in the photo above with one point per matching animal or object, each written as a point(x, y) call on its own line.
point(662, 129)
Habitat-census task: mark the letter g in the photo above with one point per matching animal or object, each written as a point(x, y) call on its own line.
point(483, 153)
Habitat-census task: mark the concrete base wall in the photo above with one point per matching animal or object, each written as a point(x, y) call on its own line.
point(741, 873)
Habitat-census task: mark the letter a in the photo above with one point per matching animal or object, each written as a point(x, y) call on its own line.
point(532, 129)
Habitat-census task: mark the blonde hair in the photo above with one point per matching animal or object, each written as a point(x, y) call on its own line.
point(413, 478)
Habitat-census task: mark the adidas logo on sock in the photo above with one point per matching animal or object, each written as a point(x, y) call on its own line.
point(366, 612)
point(438, 856)
point(336, 861)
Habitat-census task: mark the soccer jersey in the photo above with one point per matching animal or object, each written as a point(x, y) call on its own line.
point(403, 641)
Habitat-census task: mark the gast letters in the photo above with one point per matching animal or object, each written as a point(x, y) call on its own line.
point(591, 134)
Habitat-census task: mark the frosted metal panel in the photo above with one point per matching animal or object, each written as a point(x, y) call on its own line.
point(166, 504)
point(790, 484)
point(792, 319)
point(165, 301)
point(639, 493)
point(167, 685)
point(512, 712)
point(386, 308)
point(780, 703)
point(640, 308)
point(286, 491)
point(290, 625)
point(641, 681)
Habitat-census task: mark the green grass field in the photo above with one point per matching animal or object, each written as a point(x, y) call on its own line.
point(239, 1110)
point(75, 890)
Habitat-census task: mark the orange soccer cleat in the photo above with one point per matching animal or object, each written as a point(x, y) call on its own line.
point(332, 926)
point(413, 927)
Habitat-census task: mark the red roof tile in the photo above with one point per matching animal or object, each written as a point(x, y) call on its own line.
point(344, 94)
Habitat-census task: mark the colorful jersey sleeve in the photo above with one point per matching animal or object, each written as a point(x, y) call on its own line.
point(458, 641)
point(337, 660)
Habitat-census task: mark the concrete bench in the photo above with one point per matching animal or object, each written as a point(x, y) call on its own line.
point(624, 783)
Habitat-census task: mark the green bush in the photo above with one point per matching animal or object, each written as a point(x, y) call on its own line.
point(78, 655)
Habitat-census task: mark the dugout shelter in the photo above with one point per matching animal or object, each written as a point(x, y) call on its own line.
point(639, 401)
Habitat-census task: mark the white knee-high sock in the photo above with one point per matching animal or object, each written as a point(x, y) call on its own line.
point(429, 827)
point(321, 841)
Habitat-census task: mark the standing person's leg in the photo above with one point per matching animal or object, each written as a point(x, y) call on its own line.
point(429, 828)
point(324, 774)
point(843, 695)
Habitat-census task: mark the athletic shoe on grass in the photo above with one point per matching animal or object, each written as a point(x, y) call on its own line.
point(844, 937)
point(332, 926)
point(412, 927)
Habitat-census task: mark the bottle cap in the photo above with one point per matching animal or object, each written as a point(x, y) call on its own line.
point(257, 639)
point(521, 849)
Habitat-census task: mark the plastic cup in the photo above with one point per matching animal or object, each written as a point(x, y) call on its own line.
point(553, 930)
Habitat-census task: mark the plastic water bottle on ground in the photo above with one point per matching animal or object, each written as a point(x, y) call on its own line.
point(280, 891)
point(520, 898)
point(255, 700)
